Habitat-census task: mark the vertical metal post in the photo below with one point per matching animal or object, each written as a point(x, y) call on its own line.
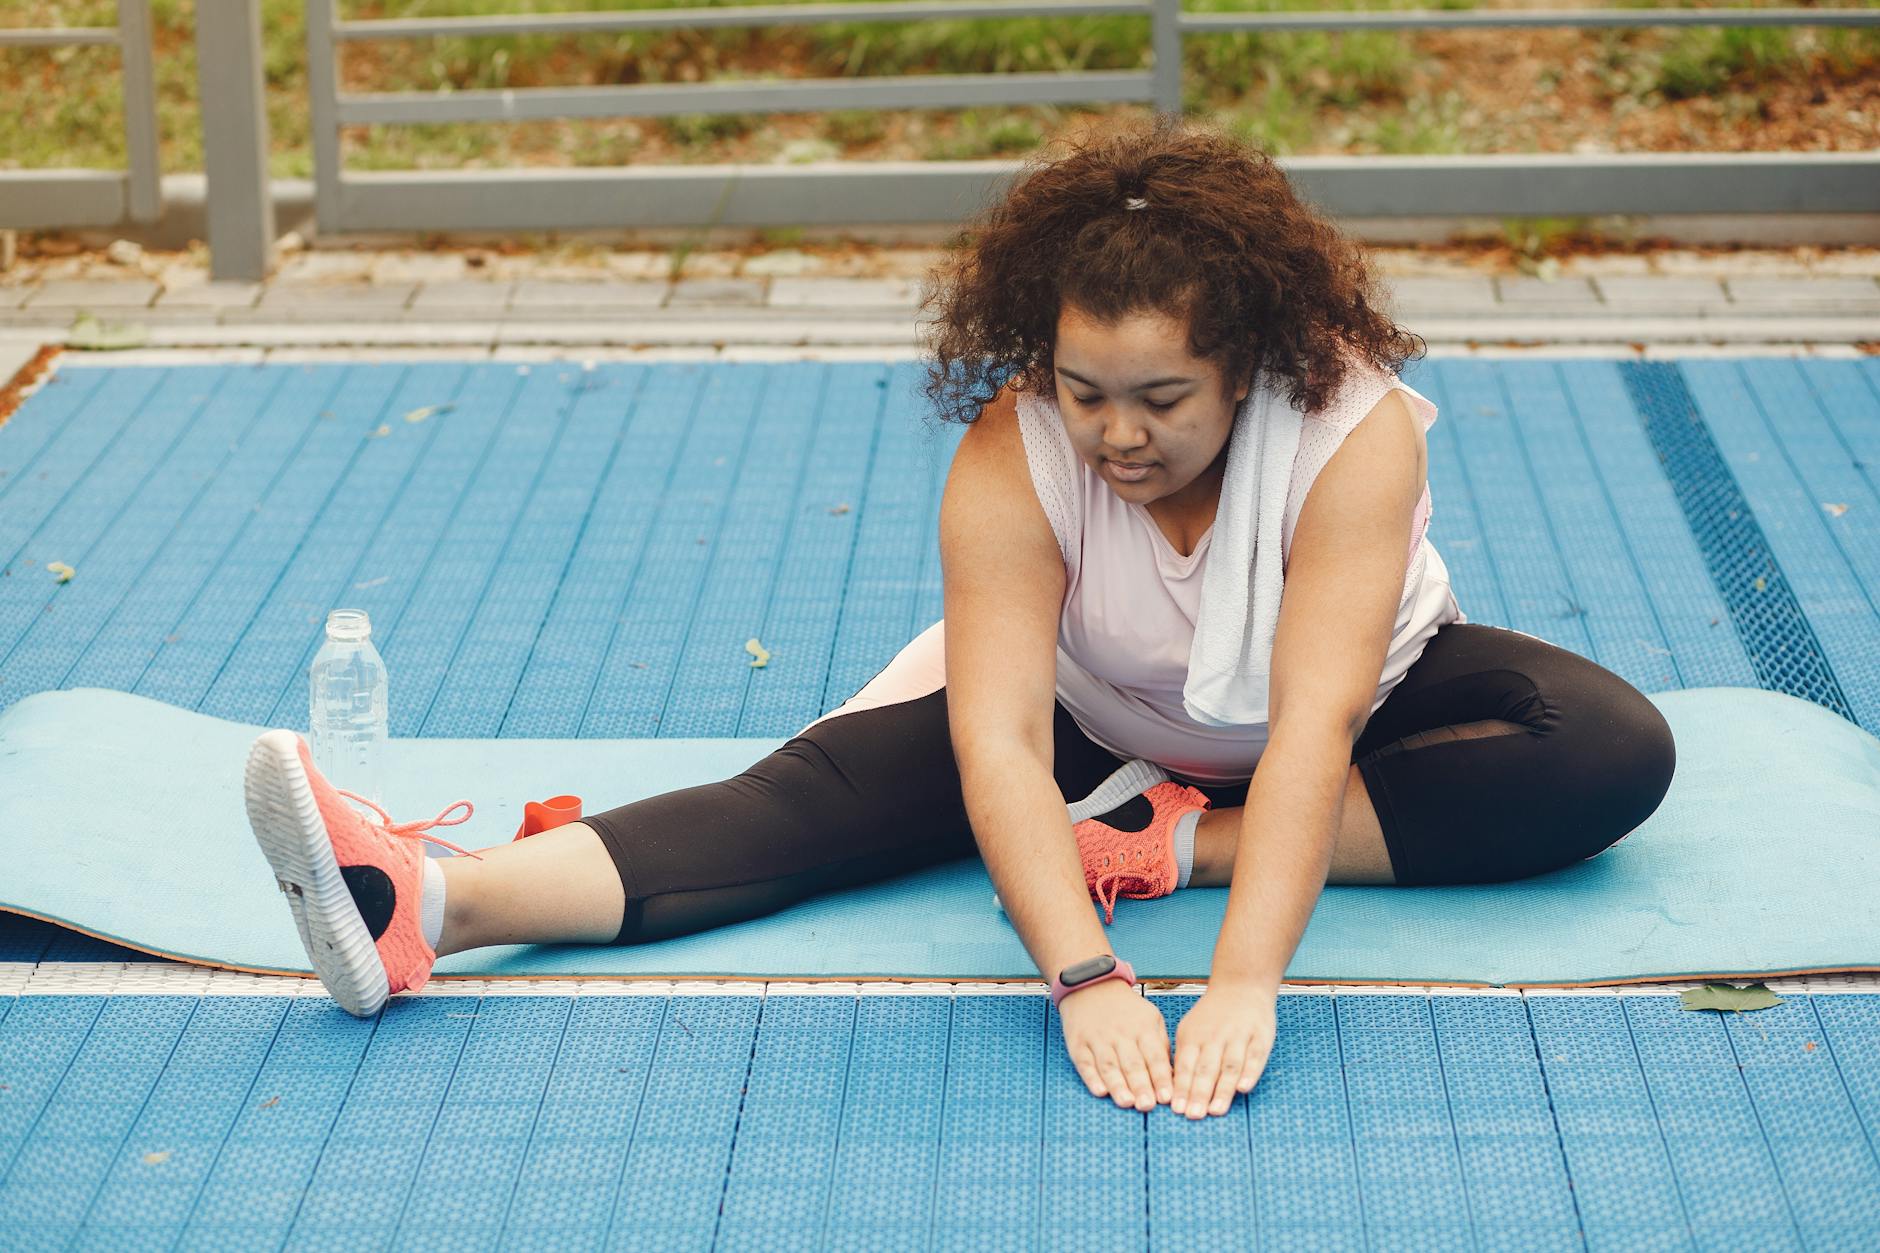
point(234, 138)
point(1166, 35)
point(140, 110)
point(323, 105)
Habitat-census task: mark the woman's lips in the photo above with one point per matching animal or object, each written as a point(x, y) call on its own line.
point(1129, 474)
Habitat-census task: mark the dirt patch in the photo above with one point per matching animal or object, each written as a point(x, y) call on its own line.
point(25, 379)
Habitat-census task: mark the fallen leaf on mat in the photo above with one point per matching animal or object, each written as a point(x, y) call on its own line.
point(421, 413)
point(151, 1159)
point(1808, 1046)
point(1836, 510)
point(1761, 583)
point(758, 651)
point(64, 571)
point(1729, 996)
point(383, 430)
point(270, 1103)
point(840, 509)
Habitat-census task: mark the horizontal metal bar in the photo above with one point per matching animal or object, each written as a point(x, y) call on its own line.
point(920, 91)
point(741, 15)
point(951, 191)
point(888, 191)
point(58, 36)
point(46, 199)
point(1441, 19)
point(1553, 185)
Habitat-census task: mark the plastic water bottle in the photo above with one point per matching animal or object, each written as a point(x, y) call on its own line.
point(349, 713)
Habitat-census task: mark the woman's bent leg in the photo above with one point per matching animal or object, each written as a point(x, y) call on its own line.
point(1560, 759)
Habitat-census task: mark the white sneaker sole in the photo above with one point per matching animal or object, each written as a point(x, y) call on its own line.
point(287, 825)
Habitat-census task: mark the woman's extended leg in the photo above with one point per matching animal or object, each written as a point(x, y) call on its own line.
point(1499, 756)
point(556, 886)
point(867, 791)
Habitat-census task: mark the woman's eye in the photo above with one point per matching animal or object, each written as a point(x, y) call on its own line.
point(1083, 400)
point(1161, 408)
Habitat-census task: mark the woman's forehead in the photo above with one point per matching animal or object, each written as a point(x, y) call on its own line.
point(1135, 347)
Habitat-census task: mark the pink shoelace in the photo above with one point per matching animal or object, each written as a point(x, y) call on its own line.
point(1116, 880)
point(417, 830)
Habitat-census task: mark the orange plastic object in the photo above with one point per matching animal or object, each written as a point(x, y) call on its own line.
point(540, 816)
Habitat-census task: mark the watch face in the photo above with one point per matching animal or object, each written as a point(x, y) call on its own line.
point(1085, 971)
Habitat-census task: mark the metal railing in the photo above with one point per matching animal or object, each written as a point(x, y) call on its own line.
point(240, 210)
point(67, 197)
point(917, 191)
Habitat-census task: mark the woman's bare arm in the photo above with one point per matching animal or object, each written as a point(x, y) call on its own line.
point(1004, 588)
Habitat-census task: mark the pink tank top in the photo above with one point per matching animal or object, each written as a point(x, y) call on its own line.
point(1131, 600)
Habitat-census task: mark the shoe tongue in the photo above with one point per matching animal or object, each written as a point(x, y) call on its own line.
point(1134, 814)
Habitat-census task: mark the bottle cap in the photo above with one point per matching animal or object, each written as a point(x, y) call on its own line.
point(348, 624)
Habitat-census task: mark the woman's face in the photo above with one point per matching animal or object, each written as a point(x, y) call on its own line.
point(1131, 394)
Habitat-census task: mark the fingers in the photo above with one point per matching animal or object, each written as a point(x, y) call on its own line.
point(1222, 1094)
point(1135, 1074)
point(1155, 1048)
point(1113, 1076)
point(1193, 1099)
point(1130, 1052)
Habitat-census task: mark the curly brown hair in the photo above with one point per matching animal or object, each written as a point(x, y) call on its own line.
point(1264, 282)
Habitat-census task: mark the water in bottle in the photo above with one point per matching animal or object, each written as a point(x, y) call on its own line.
point(348, 715)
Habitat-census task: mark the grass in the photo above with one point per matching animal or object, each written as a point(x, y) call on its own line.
point(1289, 92)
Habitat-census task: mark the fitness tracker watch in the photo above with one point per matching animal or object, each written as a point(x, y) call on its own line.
point(1090, 971)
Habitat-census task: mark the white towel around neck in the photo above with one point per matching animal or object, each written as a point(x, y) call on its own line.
point(1232, 653)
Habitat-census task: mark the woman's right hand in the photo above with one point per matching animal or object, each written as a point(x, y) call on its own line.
point(1118, 1040)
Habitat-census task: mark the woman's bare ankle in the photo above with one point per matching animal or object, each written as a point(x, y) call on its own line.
point(1216, 836)
point(459, 884)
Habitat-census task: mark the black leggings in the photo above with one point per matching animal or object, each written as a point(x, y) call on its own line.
point(875, 792)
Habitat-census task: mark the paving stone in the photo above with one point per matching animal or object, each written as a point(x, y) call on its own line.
point(711, 265)
point(13, 357)
point(1523, 289)
point(545, 295)
point(640, 264)
point(345, 299)
point(901, 293)
point(479, 295)
point(717, 291)
point(420, 267)
point(212, 296)
point(786, 262)
point(1813, 292)
point(94, 293)
point(1631, 291)
point(1544, 327)
point(326, 267)
point(1444, 293)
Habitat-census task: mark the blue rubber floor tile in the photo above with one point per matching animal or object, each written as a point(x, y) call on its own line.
point(917, 1121)
point(60, 396)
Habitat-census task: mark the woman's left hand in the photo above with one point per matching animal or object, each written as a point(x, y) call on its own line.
point(1221, 1047)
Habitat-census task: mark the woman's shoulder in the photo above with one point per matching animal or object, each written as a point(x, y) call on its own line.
point(1055, 472)
point(1357, 393)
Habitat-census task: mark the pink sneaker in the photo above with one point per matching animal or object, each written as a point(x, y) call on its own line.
point(1135, 857)
point(352, 883)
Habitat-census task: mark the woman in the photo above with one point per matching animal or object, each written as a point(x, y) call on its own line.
point(1097, 330)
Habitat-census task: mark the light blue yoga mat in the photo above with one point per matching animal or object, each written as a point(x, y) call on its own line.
point(122, 817)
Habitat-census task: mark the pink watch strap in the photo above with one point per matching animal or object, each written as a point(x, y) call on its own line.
point(1060, 990)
